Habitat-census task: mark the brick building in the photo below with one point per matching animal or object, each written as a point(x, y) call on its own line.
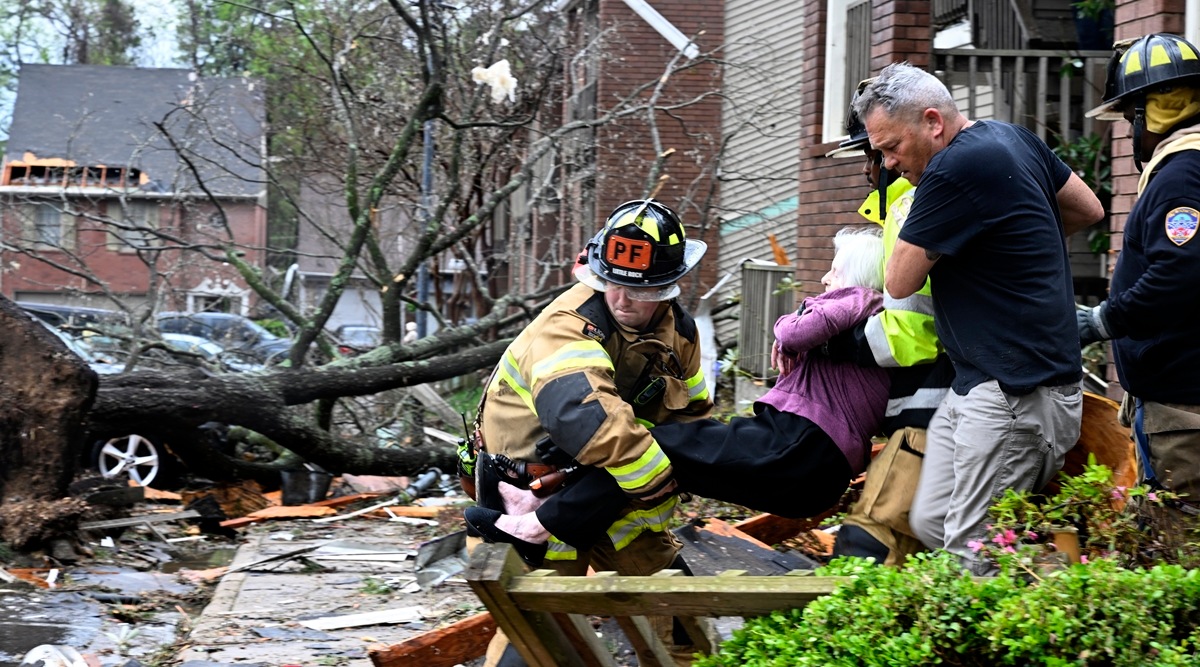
point(999, 66)
point(111, 172)
point(617, 53)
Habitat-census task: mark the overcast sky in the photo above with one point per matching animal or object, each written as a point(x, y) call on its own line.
point(157, 26)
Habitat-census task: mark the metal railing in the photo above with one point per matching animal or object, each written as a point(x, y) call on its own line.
point(1045, 91)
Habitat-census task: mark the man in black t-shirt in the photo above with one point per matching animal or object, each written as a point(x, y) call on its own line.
point(988, 223)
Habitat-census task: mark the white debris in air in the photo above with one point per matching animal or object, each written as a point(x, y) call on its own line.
point(500, 78)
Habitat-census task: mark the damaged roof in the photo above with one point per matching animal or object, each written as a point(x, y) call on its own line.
point(102, 115)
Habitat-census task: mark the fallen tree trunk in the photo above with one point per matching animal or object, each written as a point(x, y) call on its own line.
point(275, 404)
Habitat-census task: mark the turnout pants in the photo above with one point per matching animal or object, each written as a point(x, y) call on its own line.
point(878, 523)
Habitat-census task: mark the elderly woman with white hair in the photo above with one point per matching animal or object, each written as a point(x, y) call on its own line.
point(809, 437)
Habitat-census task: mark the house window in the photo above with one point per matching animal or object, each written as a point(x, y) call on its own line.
point(48, 225)
point(847, 60)
point(210, 303)
point(134, 225)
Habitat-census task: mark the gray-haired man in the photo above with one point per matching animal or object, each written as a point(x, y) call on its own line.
point(988, 224)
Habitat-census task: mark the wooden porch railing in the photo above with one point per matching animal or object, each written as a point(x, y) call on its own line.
point(1046, 91)
point(545, 616)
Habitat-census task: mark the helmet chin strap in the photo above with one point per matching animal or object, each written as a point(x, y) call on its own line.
point(884, 177)
point(1139, 127)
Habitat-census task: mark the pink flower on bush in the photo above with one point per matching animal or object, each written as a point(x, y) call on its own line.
point(1118, 493)
point(975, 545)
point(1007, 538)
point(1152, 497)
point(1083, 559)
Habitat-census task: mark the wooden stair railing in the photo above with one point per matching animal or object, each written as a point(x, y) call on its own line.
point(545, 615)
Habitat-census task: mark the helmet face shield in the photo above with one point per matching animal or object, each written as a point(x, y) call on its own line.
point(585, 275)
point(855, 128)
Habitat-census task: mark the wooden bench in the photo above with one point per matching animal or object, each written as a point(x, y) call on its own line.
point(545, 615)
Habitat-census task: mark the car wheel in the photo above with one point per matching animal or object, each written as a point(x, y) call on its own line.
point(138, 458)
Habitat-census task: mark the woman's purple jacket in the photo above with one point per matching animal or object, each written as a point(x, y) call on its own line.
point(846, 400)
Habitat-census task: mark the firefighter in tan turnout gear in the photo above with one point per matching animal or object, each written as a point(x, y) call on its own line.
point(612, 356)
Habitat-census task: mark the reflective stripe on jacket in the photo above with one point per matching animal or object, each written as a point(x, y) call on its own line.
point(624, 530)
point(902, 334)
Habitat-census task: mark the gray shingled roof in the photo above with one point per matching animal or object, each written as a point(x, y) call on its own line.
point(95, 114)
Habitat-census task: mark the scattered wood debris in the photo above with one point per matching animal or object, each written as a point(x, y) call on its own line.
point(398, 615)
point(154, 517)
point(443, 647)
point(235, 500)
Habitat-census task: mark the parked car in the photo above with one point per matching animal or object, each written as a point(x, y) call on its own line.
point(231, 332)
point(141, 458)
point(144, 457)
point(101, 363)
point(77, 319)
point(212, 353)
point(354, 339)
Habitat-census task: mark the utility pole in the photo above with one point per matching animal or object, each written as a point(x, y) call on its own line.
point(426, 216)
point(426, 200)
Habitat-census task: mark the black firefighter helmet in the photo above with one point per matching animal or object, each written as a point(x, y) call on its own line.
point(643, 244)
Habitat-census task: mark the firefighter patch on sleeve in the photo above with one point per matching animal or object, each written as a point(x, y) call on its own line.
point(592, 331)
point(1181, 224)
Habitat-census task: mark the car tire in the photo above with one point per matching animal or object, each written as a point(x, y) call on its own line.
point(140, 458)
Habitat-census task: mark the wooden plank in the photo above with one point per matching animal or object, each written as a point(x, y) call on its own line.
point(444, 647)
point(536, 636)
point(138, 520)
point(582, 636)
point(413, 511)
point(342, 501)
point(157, 494)
point(432, 400)
point(240, 521)
point(646, 642)
point(291, 512)
point(772, 529)
point(696, 628)
point(687, 596)
point(383, 616)
point(364, 510)
point(719, 527)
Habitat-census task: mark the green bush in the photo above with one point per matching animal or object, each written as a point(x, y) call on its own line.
point(931, 612)
point(1132, 601)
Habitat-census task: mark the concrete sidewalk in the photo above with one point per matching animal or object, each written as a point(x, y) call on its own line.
point(254, 616)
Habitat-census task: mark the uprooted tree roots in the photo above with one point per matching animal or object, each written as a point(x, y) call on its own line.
point(26, 525)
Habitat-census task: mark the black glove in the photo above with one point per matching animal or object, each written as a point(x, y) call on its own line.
point(841, 348)
point(1093, 324)
point(550, 454)
point(849, 346)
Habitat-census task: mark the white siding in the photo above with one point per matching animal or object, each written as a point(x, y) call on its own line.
point(760, 121)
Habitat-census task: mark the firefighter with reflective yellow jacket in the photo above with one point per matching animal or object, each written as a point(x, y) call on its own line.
point(901, 338)
point(612, 356)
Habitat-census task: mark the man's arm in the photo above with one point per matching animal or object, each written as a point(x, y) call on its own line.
point(1078, 205)
point(907, 269)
